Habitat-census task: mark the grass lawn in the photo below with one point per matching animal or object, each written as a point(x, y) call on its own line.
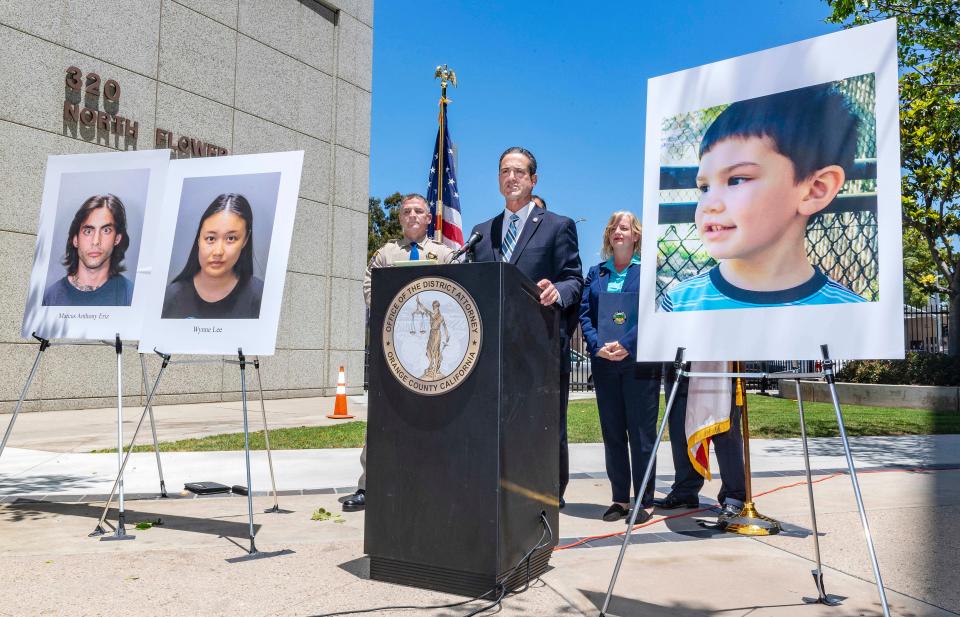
point(769, 417)
point(774, 418)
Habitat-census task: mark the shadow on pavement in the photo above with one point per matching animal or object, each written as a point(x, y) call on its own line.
point(15, 512)
point(589, 511)
point(43, 484)
point(626, 607)
point(359, 567)
point(867, 451)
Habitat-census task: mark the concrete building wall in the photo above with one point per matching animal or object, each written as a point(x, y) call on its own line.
point(246, 75)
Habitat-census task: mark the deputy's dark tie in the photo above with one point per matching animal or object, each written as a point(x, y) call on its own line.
point(414, 252)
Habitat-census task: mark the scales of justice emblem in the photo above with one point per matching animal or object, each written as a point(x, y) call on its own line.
point(435, 345)
point(431, 335)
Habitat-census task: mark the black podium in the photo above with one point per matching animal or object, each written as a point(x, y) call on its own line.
point(457, 481)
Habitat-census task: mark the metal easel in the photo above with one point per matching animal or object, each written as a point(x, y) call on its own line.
point(117, 344)
point(827, 375)
point(241, 361)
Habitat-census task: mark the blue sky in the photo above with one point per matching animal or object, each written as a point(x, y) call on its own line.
point(567, 80)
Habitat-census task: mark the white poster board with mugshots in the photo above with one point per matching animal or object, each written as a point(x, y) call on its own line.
point(94, 246)
point(223, 240)
point(772, 206)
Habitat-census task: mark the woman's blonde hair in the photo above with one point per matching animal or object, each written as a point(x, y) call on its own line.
point(607, 250)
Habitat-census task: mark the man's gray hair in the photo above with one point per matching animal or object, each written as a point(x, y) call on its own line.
point(410, 196)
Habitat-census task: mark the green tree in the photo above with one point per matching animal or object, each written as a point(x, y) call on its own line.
point(928, 42)
point(383, 222)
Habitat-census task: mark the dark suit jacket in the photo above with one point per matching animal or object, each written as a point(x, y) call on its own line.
point(596, 284)
point(546, 249)
point(597, 280)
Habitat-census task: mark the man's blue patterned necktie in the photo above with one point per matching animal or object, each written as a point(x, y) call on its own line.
point(510, 241)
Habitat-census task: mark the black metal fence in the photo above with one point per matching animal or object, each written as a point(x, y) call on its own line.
point(581, 373)
point(926, 328)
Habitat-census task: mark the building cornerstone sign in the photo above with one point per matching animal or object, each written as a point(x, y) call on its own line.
point(108, 121)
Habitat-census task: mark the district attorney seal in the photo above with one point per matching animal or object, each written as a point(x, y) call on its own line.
point(432, 335)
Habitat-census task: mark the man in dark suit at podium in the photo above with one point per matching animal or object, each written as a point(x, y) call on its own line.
point(542, 245)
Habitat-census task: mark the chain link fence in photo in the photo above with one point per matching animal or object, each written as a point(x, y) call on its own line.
point(841, 241)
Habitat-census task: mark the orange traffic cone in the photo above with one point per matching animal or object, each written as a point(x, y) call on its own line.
point(340, 406)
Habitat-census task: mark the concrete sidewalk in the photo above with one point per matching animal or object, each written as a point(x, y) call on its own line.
point(195, 562)
point(73, 476)
point(51, 490)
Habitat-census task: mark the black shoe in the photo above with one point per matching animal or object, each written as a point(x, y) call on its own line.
point(356, 502)
point(730, 511)
point(562, 503)
point(671, 502)
point(615, 513)
point(642, 517)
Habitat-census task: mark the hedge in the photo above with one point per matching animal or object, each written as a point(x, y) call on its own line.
point(920, 369)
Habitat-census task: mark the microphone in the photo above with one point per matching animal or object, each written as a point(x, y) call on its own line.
point(472, 241)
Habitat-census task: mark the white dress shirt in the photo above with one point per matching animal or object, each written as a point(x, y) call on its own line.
point(523, 213)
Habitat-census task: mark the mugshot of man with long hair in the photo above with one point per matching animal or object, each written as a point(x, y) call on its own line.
point(217, 281)
point(96, 245)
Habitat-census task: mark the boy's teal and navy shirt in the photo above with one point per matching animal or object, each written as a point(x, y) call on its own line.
point(710, 291)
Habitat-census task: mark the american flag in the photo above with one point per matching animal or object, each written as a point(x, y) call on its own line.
point(445, 180)
point(708, 413)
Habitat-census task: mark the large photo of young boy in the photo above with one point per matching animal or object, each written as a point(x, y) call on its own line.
point(768, 174)
point(771, 205)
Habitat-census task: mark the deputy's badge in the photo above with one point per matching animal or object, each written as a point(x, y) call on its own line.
point(619, 318)
point(431, 255)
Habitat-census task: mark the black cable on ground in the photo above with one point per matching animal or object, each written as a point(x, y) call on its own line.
point(525, 560)
point(408, 608)
point(494, 604)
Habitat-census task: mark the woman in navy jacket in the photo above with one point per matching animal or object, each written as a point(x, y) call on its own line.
point(628, 392)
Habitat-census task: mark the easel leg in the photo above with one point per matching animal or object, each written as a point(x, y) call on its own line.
point(246, 446)
point(153, 429)
point(678, 364)
point(266, 439)
point(99, 531)
point(121, 531)
point(44, 343)
point(831, 382)
point(822, 596)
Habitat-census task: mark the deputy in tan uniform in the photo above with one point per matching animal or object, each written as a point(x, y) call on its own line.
point(414, 220)
point(414, 245)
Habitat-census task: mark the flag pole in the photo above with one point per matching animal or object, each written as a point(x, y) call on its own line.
point(749, 522)
point(445, 75)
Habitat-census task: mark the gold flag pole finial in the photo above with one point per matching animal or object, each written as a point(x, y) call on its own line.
point(446, 75)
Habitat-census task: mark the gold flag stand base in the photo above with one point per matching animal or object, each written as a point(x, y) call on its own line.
point(750, 523)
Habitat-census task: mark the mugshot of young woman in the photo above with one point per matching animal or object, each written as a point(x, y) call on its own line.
point(96, 245)
point(217, 281)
